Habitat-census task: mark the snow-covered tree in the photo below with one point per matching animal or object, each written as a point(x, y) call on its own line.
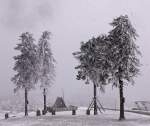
point(47, 62)
point(123, 55)
point(26, 66)
point(93, 63)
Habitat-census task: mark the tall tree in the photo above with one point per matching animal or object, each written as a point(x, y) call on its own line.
point(93, 64)
point(47, 62)
point(26, 66)
point(123, 54)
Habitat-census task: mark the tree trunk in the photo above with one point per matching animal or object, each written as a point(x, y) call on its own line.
point(44, 94)
point(122, 100)
point(26, 102)
point(95, 102)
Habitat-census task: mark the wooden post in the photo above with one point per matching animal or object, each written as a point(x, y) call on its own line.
point(53, 112)
point(38, 113)
point(6, 115)
point(88, 112)
point(73, 112)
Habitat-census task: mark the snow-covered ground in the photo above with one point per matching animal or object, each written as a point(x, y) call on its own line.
point(108, 118)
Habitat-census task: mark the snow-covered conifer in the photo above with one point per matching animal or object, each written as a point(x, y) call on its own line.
point(123, 55)
point(26, 65)
point(47, 62)
point(93, 63)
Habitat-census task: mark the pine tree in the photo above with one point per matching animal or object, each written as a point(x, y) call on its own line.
point(123, 55)
point(47, 68)
point(93, 63)
point(26, 66)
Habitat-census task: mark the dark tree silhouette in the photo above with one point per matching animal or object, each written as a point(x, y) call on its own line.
point(26, 66)
point(123, 55)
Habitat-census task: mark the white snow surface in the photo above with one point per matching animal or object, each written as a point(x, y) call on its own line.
point(107, 118)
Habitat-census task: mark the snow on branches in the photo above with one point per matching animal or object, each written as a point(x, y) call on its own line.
point(47, 61)
point(26, 64)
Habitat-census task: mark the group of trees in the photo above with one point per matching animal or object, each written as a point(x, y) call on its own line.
point(107, 59)
point(110, 58)
point(34, 64)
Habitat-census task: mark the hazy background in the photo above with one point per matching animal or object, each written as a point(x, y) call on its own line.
point(71, 21)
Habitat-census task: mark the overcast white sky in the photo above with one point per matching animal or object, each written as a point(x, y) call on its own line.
point(71, 21)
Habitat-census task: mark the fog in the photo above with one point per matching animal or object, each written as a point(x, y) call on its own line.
point(70, 22)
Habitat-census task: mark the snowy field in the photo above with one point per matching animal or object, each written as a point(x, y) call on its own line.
point(108, 118)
